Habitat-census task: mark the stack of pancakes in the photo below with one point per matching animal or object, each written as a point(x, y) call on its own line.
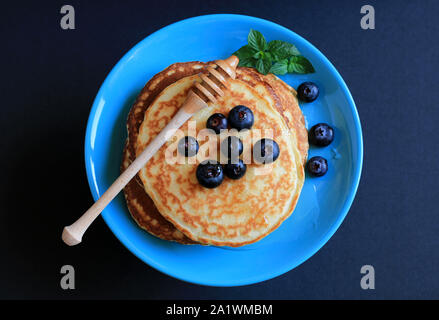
point(166, 199)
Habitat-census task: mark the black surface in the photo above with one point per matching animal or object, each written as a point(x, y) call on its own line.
point(49, 78)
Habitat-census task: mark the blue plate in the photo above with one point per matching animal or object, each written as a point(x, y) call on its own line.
point(324, 201)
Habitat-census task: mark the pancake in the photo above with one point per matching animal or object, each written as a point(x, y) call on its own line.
point(144, 211)
point(238, 212)
point(139, 203)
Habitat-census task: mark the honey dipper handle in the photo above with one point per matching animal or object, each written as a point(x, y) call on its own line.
point(72, 234)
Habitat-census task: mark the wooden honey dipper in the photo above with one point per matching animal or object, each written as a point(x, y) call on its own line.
point(197, 99)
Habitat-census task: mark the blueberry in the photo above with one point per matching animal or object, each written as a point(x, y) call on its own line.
point(235, 170)
point(232, 147)
point(308, 91)
point(217, 122)
point(210, 174)
point(317, 166)
point(241, 117)
point(321, 135)
point(188, 146)
point(265, 151)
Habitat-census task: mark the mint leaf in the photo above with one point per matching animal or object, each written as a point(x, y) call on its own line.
point(245, 56)
point(259, 55)
point(280, 67)
point(247, 62)
point(263, 65)
point(282, 50)
point(300, 64)
point(267, 55)
point(256, 40)
point(262, 55)
point(245, 52)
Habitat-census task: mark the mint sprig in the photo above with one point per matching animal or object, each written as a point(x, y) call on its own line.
point(277, 56)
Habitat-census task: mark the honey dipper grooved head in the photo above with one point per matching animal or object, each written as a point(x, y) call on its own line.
point(229, 65)
point(232, 61)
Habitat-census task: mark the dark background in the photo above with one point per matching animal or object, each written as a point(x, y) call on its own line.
point(50, 76)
